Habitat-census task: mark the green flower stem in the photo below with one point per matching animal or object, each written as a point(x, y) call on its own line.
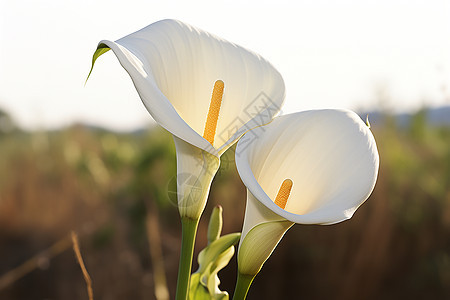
point(242, 286)
point(189, 231)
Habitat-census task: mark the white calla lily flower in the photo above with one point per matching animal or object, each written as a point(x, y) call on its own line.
point(174, 67)
point(331, 159)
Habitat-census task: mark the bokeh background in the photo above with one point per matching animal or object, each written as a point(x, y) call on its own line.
point(89, 159)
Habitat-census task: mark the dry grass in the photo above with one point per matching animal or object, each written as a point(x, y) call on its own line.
point(87, 278)
point(110, 188)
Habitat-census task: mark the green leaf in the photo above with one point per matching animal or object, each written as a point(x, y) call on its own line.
point(213, 280)
point(205, 282)
point(196, 290)
point(215, 224)
point(101, 49)
point(213, 250)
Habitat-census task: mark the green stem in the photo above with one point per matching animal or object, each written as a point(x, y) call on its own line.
point(189, 231)
point(242, 286)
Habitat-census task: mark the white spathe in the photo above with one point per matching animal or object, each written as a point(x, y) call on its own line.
point(174, 67)
point(332, 159)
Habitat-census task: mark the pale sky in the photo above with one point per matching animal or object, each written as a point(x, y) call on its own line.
point(331, 54)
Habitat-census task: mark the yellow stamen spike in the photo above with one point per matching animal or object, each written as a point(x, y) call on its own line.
point(283, 193)
point(213, 113)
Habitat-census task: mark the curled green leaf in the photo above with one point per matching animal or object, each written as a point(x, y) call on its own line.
point(215, 224)
point(101, 49)
point(216, 256)
point(215, 249)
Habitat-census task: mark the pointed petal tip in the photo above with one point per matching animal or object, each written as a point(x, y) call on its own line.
point(367, 121)
point(101, 49)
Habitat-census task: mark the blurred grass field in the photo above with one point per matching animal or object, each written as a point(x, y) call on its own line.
point(116, 190)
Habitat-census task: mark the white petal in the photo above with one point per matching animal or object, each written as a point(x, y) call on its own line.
point(330, 155)
point(196, 169)
point(174, 67)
